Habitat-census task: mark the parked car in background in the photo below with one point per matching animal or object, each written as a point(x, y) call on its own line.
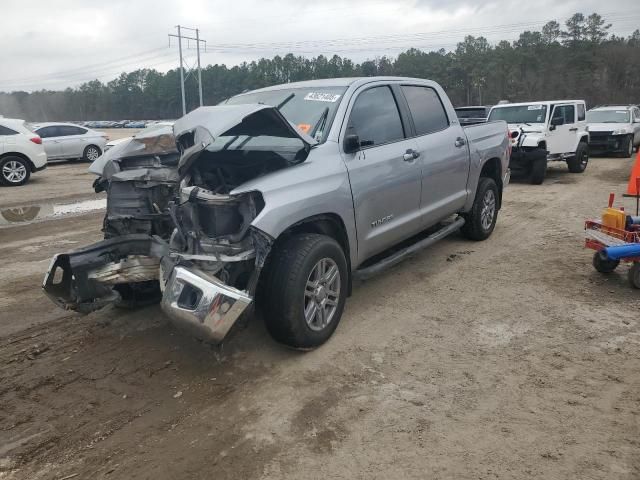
point(472, 115)
point(543, 132)
point(614, 129)
point(21, 152)
point(135, 124)
point(150, 127)
point(66, 141)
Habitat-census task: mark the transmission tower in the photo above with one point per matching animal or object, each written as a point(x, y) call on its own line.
point(183, 77)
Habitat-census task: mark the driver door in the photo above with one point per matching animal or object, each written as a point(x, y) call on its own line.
point(385, 173)
point(563, 138)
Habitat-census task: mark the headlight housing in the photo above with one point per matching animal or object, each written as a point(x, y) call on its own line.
point(620, 131)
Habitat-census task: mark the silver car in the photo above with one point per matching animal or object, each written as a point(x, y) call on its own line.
point(66, 141)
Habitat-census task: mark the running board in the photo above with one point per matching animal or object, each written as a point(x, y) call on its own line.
point(394, 259)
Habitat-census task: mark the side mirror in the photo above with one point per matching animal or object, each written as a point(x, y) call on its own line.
point(556, 121)
point(351, 143)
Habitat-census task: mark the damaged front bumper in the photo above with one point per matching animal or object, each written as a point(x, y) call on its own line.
point(202, 304)
point(91, 278)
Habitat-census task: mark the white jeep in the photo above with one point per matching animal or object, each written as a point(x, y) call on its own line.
point(545, 131)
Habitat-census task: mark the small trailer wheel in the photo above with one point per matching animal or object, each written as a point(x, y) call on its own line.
point(602, 264)
point(634, 275)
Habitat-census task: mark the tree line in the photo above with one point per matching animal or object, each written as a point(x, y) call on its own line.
point(579, 59)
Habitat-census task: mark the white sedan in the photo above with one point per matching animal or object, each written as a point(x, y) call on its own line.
point(66, 141)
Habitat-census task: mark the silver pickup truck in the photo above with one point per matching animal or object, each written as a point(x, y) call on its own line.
point(277, 199)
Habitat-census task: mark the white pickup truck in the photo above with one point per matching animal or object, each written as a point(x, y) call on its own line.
point(545, 131)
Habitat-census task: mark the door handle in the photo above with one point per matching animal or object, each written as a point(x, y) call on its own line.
point(460, 142)
point(410, 155)
point(573, 129)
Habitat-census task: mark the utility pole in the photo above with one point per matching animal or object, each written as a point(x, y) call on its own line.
point(184, 77)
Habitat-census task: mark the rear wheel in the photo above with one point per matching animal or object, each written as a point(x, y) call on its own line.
point(91, 153)
point(634, 275)
point(481, 220)
point(305, 291)
point(578, 163)
point(14, 171)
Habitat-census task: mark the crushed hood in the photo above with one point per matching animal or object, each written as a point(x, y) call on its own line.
point(153, 142)
point(236, 127)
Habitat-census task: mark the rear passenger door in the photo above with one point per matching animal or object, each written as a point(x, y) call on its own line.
point(384, 174)
point(50, 141)
point(444, 152)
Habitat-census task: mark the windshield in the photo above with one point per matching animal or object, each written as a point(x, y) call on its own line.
point(520, 114)
point(310, 109)
point(608, 116)
point(471, 112)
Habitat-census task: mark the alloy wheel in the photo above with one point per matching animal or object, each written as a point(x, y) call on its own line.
point(14, 171)
point(322, 294)
point(92, 153)
point(488, 210)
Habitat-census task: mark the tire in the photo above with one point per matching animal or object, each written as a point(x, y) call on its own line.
point(603, 265)
point(481, 220)
point(293, 270)
point(538, 171)
point(91, 153)
point(627, 147)
point(578, 163)
point(634, 275)
point(14, 171)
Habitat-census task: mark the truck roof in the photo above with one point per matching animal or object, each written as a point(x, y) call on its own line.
point(333, 82)
point(543, 102)
point(613, 107)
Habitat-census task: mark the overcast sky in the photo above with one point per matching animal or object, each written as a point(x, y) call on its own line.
point(58, 43)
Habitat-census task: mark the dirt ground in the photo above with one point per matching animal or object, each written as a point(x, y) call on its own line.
point(511, 359)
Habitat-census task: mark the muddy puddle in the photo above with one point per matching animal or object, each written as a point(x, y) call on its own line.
point(33, 213)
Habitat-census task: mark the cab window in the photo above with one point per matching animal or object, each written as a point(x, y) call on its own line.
point(582, 114)
point(375, 117)
point(566, 112)
point(426, 109)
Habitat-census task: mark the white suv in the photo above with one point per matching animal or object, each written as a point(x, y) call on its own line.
point(21, 152)
point(545, 131)
point(614, 129)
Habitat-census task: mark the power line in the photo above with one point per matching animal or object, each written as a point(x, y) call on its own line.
point(181, 37)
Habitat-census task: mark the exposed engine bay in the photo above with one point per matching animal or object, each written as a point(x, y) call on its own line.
point(174, 229)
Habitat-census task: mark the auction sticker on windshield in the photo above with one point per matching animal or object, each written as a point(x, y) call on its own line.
point(535, 107)
point(322, 97)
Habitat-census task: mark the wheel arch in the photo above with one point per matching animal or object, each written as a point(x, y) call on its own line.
point(329, 224)
point(20, 155)
point(492, 168)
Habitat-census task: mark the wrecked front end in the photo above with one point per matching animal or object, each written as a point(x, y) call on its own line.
point(175, 230)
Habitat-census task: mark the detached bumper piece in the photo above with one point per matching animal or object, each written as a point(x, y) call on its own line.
point(522, 160)
point(202, 304)
point(87, 279)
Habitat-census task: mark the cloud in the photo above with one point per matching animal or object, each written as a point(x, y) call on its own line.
point(50, 44)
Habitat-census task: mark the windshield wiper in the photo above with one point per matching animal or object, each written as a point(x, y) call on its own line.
point(320, 123)
point(285, 101)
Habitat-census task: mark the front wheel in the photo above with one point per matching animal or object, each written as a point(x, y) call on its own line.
point(627, 147)
point(578, 163)
point(305, 290)
point(481, 220)
point(539, 171)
